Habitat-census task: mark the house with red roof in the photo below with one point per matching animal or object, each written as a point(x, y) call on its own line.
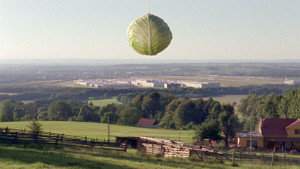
point(283, 134)
point(152, 123)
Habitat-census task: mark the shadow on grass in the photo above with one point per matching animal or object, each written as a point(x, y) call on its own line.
point(159, 161)
point(56, 158)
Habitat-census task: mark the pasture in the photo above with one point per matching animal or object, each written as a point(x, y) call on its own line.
point(39, 156)
point(234, 81)
point(103, 102)
point(9, 94)
point(99, 130)
point(48, 156)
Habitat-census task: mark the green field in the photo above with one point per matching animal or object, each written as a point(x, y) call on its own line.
point(225, 81)
point(103, 102)
point(99, 130)
point(39, 157)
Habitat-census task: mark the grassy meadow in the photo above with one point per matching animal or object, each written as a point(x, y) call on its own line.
point(99, 130)
point(28, 156)
point(38, 156)
point(103, 102)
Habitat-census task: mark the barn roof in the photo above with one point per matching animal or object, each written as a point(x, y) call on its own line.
point(276, 126)
point(147, 122)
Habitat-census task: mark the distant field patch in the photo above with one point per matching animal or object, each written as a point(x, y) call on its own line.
point(225, 81)
point(10, 94)
point(27, 101)
point(99, 130)
point(104, 102)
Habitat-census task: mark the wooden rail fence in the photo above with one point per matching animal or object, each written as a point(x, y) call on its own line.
point(279, 157)
point(9, 135)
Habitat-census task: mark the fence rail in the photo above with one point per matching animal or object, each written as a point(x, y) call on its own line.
point(263, 157)
point(9, 135)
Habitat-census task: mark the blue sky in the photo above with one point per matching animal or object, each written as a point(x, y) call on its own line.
point(202, 29)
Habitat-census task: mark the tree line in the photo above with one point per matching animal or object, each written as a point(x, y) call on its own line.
point(209, 118)
point(126, 94)
point(255, 107)
point(172, 112)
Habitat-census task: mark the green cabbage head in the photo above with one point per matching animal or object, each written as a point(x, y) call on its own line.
point(149, 35)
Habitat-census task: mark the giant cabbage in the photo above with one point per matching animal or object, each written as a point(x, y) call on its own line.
point(149, 35)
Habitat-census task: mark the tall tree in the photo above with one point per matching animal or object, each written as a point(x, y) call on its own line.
point(87, 113)
point(151, 105)
point(136, 102)
point(7, 110)
point(185, 113)
point(228, 122)
point(129, 116)
point(59, 110)
point(167, 120)
point(289, 106)
point(209, 129)
point(271, 104)
point(18, 111)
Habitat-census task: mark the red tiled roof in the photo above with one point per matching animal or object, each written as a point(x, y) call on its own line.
point(147, 122)
point(295, 122)
point(276, 126)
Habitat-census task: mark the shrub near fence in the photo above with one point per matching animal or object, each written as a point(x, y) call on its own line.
point(9, 135)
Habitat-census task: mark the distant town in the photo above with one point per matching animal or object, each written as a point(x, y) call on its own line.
point(123, 83)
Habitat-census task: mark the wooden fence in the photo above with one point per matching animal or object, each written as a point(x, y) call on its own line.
point(240, 155)
point(9, 135)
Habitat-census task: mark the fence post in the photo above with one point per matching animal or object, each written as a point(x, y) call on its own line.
point(56, 141)
point(233, 157)
point(16, 138)
point(241, 155)
point(273, 157)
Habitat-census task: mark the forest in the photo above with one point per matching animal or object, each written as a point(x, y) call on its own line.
point(81, 95)
point(206, 117)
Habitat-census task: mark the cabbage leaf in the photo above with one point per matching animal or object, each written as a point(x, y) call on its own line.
point(149, 35)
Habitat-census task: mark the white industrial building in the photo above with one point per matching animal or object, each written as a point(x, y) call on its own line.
point(105, 83)
point(291, 82)
point(147, 83)
point(202, 84)
point(172, 85)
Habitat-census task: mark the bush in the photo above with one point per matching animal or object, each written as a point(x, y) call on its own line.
point(35, 127)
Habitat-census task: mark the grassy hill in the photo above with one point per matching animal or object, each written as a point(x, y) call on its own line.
point(47, 156)
point(99, 130)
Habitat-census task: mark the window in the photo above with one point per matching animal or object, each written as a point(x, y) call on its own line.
point(297, 131)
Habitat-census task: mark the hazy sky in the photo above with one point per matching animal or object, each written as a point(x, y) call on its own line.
point(202, 29)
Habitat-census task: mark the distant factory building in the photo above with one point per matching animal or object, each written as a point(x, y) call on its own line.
point(291, 82)
point(202, 84)
point(83, 83)
point(147, 83)
point(172, 85)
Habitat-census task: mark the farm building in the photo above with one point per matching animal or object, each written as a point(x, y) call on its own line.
point(162, 147)
point(152, 123)
point(283, 134)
